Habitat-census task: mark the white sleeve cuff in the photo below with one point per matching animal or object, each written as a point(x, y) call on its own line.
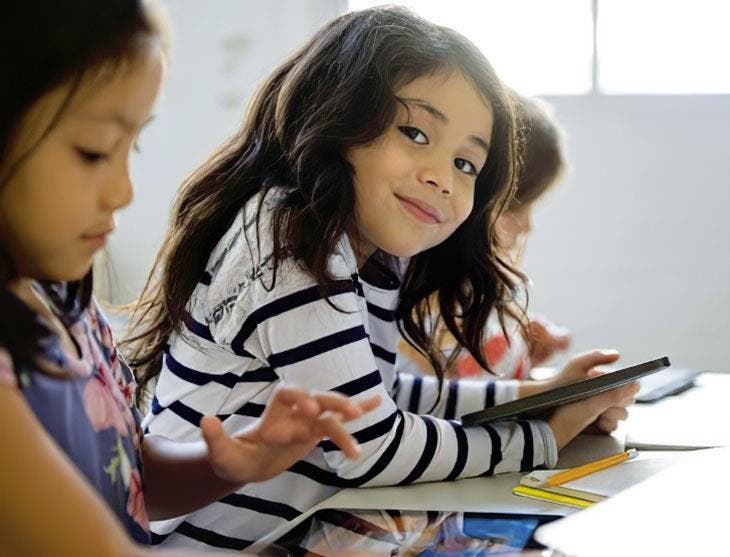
point(549, 443)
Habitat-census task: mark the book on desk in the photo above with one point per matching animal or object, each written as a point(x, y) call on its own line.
point(598, 486)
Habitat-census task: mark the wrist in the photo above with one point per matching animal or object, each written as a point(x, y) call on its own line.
point(563, 435)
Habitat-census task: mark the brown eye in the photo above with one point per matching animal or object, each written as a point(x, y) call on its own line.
point(414, 134)
point(465, 166)
point(89, 156)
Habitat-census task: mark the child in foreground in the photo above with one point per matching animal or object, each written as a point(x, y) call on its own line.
point(77, 477)
point(369, 169)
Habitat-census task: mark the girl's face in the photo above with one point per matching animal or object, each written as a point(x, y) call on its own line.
point(415, 184)
point(57, 208)
point(513, 227)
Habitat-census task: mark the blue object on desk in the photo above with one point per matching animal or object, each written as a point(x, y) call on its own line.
point(665, 383)
point(423, 533)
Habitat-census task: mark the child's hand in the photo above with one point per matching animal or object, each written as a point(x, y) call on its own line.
point(582, 367)
point(571, 419)
point(292, 424)
point(545, 338)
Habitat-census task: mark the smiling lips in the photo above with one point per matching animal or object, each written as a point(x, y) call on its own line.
point(421, 210)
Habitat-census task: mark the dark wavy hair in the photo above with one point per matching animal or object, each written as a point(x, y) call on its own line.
point(45, 45)
point(337, 92)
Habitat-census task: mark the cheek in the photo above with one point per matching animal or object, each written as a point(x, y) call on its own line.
point(464, 207)
point(54, 203)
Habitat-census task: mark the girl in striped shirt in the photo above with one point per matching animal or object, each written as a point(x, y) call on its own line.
point(370, 168)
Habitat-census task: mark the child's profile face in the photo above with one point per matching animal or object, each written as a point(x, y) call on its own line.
point(415, 184)
point(58, 207)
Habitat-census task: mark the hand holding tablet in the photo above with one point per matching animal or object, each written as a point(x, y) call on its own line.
point(533, 405)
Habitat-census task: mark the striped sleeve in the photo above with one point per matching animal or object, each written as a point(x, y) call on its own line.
point(324, 345)
point(420, 393)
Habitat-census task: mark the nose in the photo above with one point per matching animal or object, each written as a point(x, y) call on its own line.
point(118, 192)
point(437, 174)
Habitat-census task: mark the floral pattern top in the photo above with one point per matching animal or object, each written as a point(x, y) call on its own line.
point(91, 414)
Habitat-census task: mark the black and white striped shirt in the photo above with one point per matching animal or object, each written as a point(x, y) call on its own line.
point(243, 336)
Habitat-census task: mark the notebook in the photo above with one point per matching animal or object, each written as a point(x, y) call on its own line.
point(598, 486)
point(534, 405)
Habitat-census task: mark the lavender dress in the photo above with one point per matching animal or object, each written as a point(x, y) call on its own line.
point(90, 413)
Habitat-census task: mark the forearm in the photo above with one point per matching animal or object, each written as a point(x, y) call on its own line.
point(530, 387)
point(422, 449)
point(179, 478)
point(39, 485)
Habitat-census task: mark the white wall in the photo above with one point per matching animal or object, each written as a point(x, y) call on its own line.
point(630, 251)
point(222, 50)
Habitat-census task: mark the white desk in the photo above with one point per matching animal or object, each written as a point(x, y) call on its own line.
point(658, 421)
point(492, 494)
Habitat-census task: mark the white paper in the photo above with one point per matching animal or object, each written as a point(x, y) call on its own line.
point(680, 511)
point(688, 420)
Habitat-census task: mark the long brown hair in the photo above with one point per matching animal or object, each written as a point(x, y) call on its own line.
point(44, 47)
point(337, 92)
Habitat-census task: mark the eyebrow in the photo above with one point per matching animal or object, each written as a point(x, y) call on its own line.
point(441, 117)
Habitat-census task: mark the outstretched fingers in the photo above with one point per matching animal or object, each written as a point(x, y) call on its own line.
point(295, 398)
point(329, 424)
point(349, 410)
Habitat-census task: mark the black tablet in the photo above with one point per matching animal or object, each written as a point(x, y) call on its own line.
point(536, 404)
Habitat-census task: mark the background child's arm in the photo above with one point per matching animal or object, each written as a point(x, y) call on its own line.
point(545, 339)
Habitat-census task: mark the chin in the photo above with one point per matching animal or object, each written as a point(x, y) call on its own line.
point(70, 273)
point(405, 251)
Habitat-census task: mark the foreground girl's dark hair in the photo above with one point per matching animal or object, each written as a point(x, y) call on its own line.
point(45, 45)
point(338, 91)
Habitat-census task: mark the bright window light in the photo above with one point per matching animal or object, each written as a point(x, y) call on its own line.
point(537, 47)
point(664, 46)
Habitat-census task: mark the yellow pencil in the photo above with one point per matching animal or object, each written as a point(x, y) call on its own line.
point(543, 495)
point(584, 470)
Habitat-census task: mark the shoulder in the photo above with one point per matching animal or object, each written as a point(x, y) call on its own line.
point(242, 276)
